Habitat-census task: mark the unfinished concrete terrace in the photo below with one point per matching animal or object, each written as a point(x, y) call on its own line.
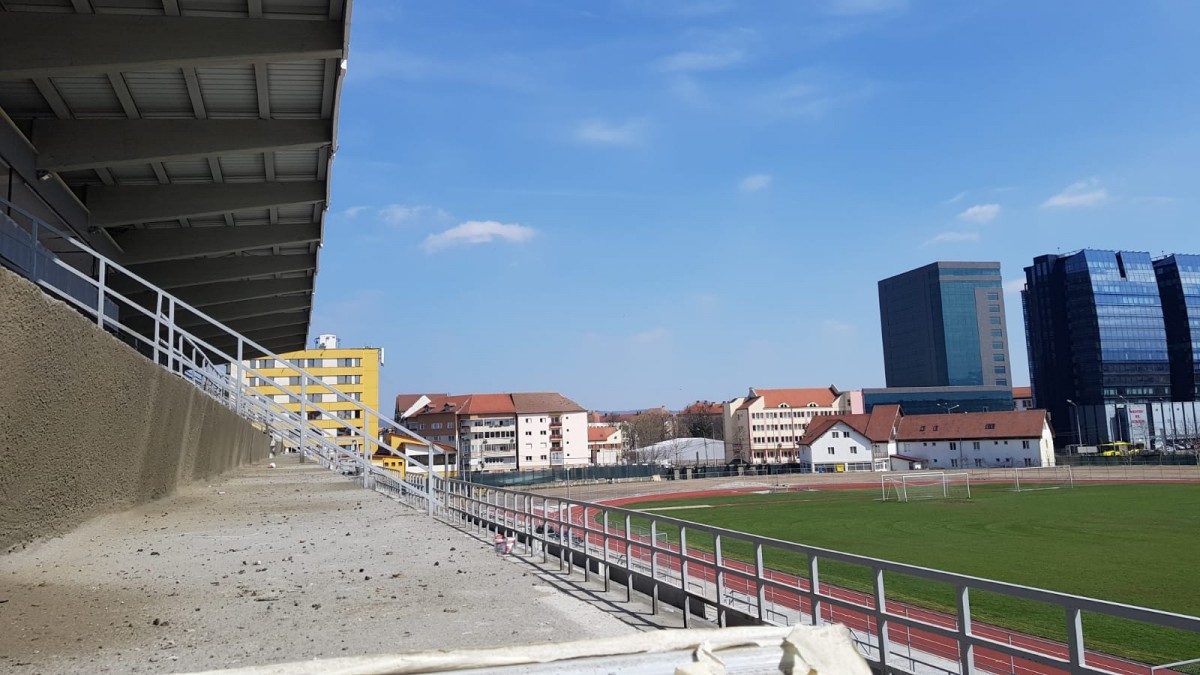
point(271, 565)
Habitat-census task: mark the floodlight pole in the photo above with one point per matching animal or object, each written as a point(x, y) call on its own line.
point(1078, 435)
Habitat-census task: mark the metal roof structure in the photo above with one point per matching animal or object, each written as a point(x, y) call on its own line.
point(190, 140)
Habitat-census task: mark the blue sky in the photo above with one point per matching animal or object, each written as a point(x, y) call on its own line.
point(647, 203)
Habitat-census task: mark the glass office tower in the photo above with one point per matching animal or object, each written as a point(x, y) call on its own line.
point(943, 325)
point(1097, 343)
point(1179, 290)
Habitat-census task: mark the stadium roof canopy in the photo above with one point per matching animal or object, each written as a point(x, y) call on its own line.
point(190, 140)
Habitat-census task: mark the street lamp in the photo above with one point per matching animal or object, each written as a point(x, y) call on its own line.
point(1078, 436)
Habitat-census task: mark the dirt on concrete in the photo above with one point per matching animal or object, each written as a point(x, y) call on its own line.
point(265, 566)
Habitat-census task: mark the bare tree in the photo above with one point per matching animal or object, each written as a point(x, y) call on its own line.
point(649, 427)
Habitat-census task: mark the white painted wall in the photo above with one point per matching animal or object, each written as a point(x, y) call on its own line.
point(983, 453)
point(840, 444)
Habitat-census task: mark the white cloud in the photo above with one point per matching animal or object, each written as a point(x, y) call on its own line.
point(693, 61)
point(599, 132)
point(952, 238)
point(353, 211)
point(981, 213)
point(861, 7)
point(650, 336)
point(1014, 286)
point(477, 232)
point(399, 214)
point(955, 199)
point(1083, 194)
point(833, 328)
point(755, 182)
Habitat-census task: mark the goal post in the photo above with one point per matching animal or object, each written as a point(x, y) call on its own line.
point(908, 487)
point(1031, 478)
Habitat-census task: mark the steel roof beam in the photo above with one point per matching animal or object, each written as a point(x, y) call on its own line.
point(246, 309)
point(180, 273)
point(146, 246)
point(85, 44)
point(111, 206)
point(247, 327)
point(206, 295)
point(67, 145)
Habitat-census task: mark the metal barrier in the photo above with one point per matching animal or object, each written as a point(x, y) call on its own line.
point(200, 349)
point(895, 636)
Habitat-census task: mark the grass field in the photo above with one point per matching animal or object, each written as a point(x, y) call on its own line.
point(1132, 543)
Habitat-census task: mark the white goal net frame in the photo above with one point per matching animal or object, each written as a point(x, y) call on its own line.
point(908, 487)
point(1031, 478)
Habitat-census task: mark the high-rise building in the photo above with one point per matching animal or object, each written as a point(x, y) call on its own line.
point(943, 325)
point(1097, 343)
point(354, 372)
point(1179, 289)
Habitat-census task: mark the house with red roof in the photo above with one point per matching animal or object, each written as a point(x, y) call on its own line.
point(766, 425)
point(498, 432)
point(887, 439)
point(606, 444)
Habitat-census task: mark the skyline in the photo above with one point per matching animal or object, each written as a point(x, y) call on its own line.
point(644, 206)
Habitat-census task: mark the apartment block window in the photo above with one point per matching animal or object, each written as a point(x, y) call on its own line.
point(1001, 383)
point(975, 445)
point(978, 462)
point(831, 450)
point(953, 462)
point(1000, 370)
point(349, 363)
point(993, 295)
point(953, 445)
point(528, 433)
point(854, 449)
point(997, 357)
point(1025, 445)
point(529, 458)
point(997, 345)
point(994, 320)
point(994, 309)
point(997, 333)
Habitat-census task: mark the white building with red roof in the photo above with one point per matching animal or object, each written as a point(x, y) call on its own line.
point(766, 425)
point(946, 441)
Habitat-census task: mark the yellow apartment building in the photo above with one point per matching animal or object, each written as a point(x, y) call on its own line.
point(351, 371)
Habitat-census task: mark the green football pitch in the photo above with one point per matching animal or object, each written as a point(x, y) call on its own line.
point(1132, 543)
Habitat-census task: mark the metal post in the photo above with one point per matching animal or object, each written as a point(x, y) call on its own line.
point(101, 280)
point(366, 459)
point(718, 563)
point(171, 359)
point(814, 586)
point(604, 569)
point(654, 566)
point(760, 574)
point(157, 323)
point(966, 651)
point(683, 578)
point(628, 561)
point(1075, 638)
point(303, 408)
point(880, 618)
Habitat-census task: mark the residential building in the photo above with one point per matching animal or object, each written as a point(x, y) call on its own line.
point(847, 443)
point(605, 444)
point(1022, 398)
point(497, 432)
point(444, 460)
point(702, 419)
point(766, 425)
point(930, 400)
point(352, 372)
point(1098, 351)
point(944, 325)
point(887, 439)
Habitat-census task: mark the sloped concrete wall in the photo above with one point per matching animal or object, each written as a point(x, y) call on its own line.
point(89, 426)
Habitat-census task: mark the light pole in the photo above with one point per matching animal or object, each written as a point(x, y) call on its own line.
point(1124, 425)
point(1078, 436)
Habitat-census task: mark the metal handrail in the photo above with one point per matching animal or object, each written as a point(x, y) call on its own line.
point(196, 359)
point(585, 529)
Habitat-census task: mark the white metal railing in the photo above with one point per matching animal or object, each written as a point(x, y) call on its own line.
point(201, 350)
point(726, 578)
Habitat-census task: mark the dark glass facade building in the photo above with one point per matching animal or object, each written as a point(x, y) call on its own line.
point(943, 325)
point(935, 400)
point(1179, 289)
point(1097, 341)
